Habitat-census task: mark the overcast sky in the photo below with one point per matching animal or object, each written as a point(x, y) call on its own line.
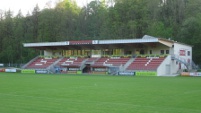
point(28, 5)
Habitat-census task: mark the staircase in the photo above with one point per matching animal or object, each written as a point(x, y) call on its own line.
point(56, 62)
point(83, 64)
point(128, 63)
point(181, 60)
point(24, 66)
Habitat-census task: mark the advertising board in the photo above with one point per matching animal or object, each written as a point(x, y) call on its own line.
point(127, 73)
point(2, 70)
point(195, 74)
point(145, 73)
point(10, 70)
point(28, 71)
point(79, 72)
point(41, 71)
point(185, 74)
point(100, 69)
point(73, 69)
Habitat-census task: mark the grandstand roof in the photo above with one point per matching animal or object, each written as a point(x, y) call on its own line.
point(97, 44)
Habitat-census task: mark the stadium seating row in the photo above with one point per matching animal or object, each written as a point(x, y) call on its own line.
point(41, 63)
point(145, 63)
point(75, 62)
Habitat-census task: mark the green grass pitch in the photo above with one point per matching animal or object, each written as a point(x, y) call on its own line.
point(33, 93)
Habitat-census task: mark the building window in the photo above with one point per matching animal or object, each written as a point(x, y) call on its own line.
point(189, 53)
point(162, 52)
point(167, 52)
point(150, 52)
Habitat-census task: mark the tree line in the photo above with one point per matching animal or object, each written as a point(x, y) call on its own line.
point(100, 19)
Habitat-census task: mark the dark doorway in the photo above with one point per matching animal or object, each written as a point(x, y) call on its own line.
point(142, 52)
point(87, 69)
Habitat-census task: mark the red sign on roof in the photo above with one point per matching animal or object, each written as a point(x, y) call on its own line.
point(81, 42)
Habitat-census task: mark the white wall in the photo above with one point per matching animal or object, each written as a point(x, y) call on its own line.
point(53, 53)
point(174, 65)
point(186, 48)
point(47, 52)
point(178, 48)
point(161, 71)
point(158, 48)
point(168, 67)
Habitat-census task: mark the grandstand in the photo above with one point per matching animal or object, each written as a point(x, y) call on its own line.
point(41, 63)
point(163, 56)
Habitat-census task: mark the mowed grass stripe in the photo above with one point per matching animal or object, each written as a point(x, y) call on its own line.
point(107, 104)
point(30, 93)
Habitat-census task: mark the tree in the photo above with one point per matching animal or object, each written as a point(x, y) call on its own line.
point(35, 21)
point(100, 19)
point(190, 34)
point(92, 18)
point(1, 28)
point(128, 19)
point(8, 39)
point(158, 29)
